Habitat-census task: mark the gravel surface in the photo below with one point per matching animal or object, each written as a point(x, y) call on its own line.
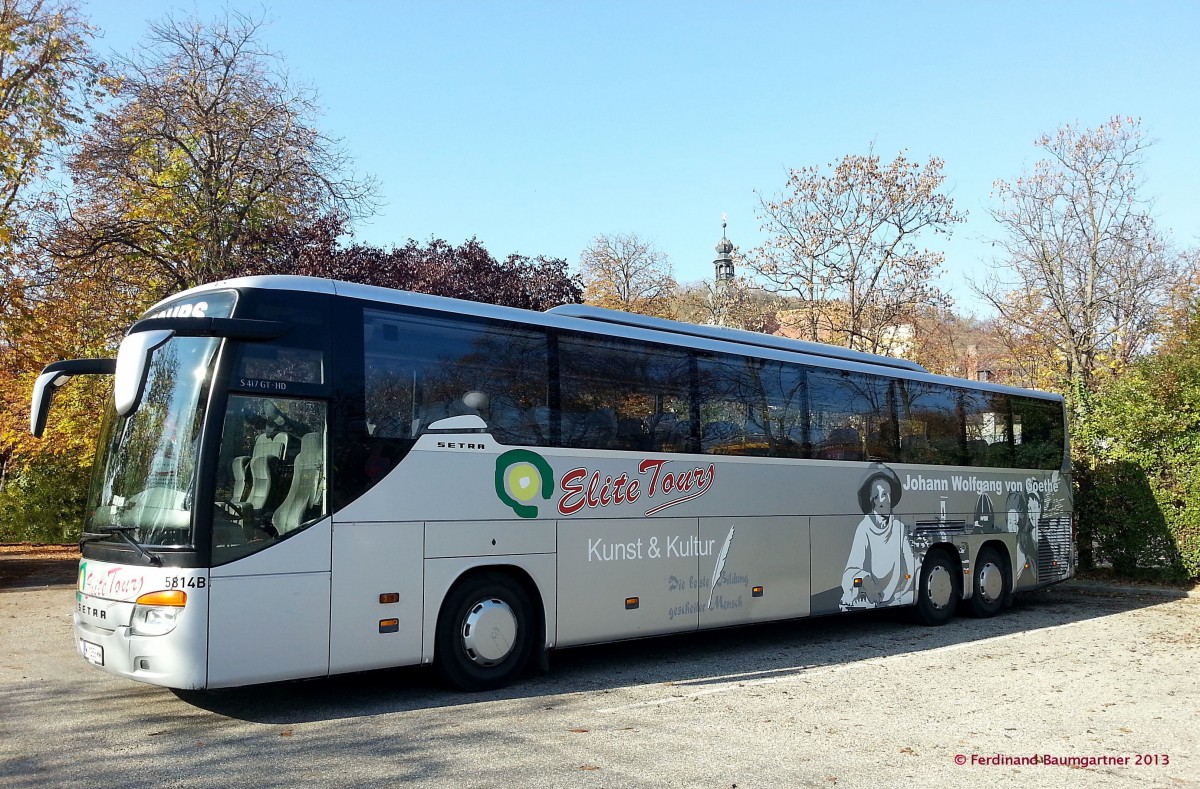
point(861, 700)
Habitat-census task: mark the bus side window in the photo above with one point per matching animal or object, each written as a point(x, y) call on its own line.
point(1039, 433)
point(853, 416)
point(988, 429)
point(422, 369)
point(615, 394)
point(751, 406)
point(932, 427)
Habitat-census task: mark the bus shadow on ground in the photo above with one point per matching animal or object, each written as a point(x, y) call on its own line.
point(687, 662)
point(24, 573)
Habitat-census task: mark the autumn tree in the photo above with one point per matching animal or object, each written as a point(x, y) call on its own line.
point(209, 142)
point(49, 77)
point(623, 271)
point(842, 239)
point(43, 482)
point(946, 343)
point(737, 303)
point(1182, 307)
point(1084, 271)
point(206, 143)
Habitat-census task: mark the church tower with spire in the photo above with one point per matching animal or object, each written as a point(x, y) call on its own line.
point(724, 260)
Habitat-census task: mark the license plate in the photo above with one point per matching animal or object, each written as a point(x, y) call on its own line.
point(93, 653)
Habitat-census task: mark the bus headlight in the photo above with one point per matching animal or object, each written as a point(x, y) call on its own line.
point(157, 613)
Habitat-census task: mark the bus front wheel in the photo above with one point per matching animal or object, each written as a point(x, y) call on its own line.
point(484, 633)
point(937, 589)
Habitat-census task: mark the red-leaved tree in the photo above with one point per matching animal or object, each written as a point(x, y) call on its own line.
point(467, 271)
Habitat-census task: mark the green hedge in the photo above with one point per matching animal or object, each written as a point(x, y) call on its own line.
point(1138, 467)
point(44, 503)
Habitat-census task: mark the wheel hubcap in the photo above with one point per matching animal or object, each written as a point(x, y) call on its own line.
point(489, 632)
point(940, 587)
point(991, 582)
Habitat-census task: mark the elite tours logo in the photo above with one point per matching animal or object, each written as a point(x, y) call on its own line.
point(523, 476)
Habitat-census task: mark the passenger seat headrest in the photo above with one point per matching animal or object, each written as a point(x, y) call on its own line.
point(476, 401)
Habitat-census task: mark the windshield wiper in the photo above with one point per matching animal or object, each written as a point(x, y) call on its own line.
point(107, 531)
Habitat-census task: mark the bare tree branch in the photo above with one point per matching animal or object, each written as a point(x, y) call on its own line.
point(842, 240)
point(1086, 271)
point(625, 272)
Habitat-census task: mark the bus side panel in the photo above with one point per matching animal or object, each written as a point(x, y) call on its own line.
point(268, 628)
point(1024, 571)
point(758, 573)
point(831, 538)
point(441, 574)
point(604, 564)
point(269, 613)
point(371, 560)
point(444, 539)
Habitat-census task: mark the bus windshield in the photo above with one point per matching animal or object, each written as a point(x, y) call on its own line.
point(144, 477)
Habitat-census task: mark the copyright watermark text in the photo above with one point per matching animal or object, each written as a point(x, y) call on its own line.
point(1054, 760)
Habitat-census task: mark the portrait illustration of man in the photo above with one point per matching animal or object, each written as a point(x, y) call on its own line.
point(881, 568)
point(1023, 514)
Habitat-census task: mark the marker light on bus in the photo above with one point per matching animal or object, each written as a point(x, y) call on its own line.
point(157, 613)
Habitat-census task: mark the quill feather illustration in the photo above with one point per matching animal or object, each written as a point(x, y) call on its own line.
point(721, 557)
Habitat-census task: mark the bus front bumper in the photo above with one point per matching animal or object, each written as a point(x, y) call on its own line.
point(174, 660)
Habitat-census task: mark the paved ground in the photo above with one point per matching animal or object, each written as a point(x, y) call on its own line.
point(864, 700)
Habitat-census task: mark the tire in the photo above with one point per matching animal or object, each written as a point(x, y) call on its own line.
point(990, 583)
point(937, 589)
point(484, 633)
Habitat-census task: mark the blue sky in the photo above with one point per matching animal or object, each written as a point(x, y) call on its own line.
point(535, 126)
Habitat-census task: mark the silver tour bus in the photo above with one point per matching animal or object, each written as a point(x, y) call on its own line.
point(299, 477)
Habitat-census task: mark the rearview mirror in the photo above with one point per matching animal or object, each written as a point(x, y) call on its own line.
point(132, 359)
point(52, 379)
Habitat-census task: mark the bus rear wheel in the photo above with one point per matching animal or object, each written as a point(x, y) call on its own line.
point(989, 585)
point(937, 589)
point(484, 633)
